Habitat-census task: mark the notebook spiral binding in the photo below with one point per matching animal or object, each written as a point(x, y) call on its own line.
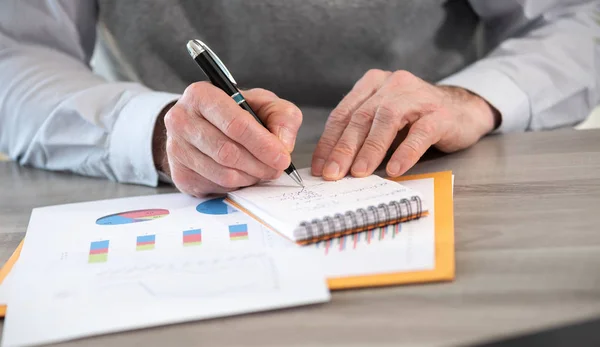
point(362, 219)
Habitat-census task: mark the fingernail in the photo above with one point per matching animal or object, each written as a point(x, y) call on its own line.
point(394, 168)
point(332, 170)
point(317, 168)
point(282, 161)
point(287, 138)
point(360, 167)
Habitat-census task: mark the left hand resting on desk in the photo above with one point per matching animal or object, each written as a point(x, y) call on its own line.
point(361, 129)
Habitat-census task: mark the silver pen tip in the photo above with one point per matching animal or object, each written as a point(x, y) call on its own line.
point(195, 47)
point(297, 178)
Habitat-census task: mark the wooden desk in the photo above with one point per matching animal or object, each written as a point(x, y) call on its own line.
point(528, 253)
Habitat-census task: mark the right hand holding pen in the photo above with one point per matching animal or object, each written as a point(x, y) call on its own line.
point(214, 146)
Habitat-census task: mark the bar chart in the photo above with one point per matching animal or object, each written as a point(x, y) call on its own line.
point(98, 251)
point(145, 243)
point(238, 232)
point(192, 237)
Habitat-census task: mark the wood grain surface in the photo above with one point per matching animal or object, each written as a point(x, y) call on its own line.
point(527, 221)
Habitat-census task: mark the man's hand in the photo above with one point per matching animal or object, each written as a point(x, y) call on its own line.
point(361, 129)
point(212, 145)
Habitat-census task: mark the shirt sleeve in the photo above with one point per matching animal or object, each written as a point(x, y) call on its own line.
point(544, 72)
point(55, 113)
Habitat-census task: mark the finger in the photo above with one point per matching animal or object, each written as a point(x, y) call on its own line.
point(210, 141)
point(340, 116)
point(180, 150)
point(387, 122)
point(280, 116)
point(421, 135)
point(188, 181)
point(237, 124)
point(347, 147)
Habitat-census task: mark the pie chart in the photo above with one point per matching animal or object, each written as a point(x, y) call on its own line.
point(136, 216)
point(215, 206)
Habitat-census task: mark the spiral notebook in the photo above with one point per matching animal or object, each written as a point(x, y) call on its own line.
point(326, 209)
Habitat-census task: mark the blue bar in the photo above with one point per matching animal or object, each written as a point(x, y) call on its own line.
point(238, 228)
point(146, 238)
point(192, 232)
point(99, 245)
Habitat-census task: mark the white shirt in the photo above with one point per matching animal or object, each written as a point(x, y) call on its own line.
point(56, 114)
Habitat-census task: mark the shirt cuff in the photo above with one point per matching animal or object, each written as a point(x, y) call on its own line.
point(130, 150)
point(498, 90)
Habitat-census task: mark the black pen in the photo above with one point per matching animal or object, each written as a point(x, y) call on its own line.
point(218, 75)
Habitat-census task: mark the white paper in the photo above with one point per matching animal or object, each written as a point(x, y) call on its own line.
point(408, 246)
point(284, 205)
point(64, 287)
point(4, 294)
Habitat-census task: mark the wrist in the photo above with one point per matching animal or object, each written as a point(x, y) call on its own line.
point(159, 141)
point(477, 108)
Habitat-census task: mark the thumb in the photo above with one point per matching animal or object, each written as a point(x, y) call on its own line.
point(281, 117)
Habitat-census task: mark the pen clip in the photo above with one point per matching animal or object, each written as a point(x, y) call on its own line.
point(220, 63)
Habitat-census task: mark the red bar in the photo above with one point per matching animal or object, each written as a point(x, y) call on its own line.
point(238, 234)
point(144, 213)
point(145, 243)
point(99, 251)
point(192, 238)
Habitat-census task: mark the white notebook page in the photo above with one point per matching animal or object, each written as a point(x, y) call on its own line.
point(283, 204)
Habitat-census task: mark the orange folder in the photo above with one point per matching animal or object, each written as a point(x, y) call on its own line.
point(6, 269)
point(444, 269)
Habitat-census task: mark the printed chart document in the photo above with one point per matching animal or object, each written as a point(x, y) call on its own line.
point(107, 266)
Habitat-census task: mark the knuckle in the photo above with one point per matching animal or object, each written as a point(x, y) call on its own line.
point(443, 112)
point(173, 149)
point(411, 146)
point(374, 146)
point(326, 142)
point(387, 113)
point(228, 154)
point(198, 189)
point(362, 116)
point(295, 115)
point(237, 127)
point(424, 129)
point(374, 73)
point(339, 115)
point(266, 147)
point(433, 107)
point(176, 119)
point(182, 179)
point(197, 89)
point(263, 92)
point(228, 178)
point(402, 76)
point(343, 149)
